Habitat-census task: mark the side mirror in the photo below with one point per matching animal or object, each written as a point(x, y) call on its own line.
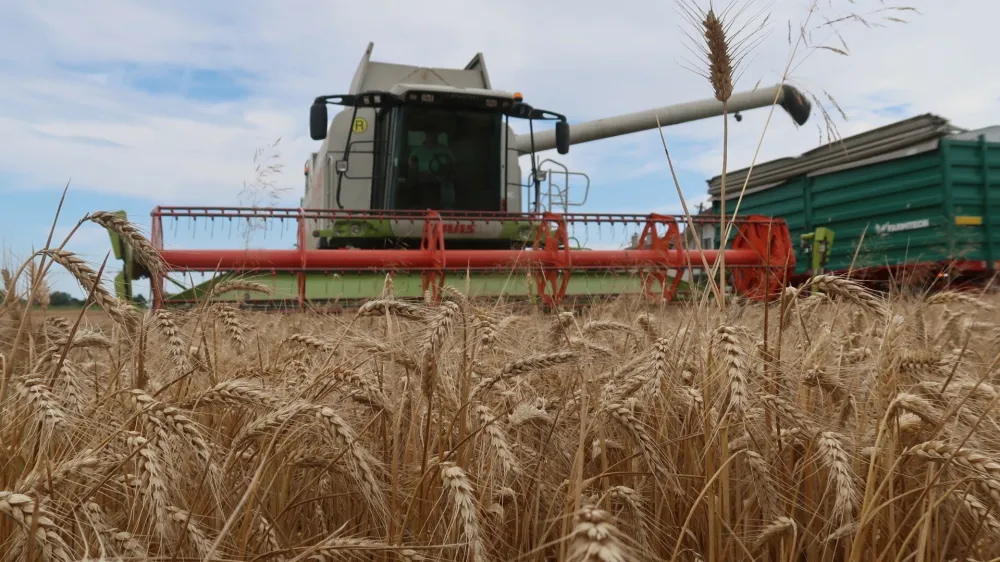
point(562, 137)
point(318, 121)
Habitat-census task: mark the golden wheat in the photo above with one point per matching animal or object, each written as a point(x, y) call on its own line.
point(433, 431)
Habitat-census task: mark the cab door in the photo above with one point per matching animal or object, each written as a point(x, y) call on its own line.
point(386, 158)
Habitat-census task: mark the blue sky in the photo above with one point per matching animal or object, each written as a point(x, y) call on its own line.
point(145, 104)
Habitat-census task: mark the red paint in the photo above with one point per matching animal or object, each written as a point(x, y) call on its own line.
point(459, 228)
point(764, 237)
point(550, 259)
point(458, 260)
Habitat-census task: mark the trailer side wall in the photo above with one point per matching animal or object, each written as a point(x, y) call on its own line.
point(934, 206)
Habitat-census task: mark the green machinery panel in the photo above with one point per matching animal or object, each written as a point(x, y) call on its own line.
point(935, 206)
point(354, 286)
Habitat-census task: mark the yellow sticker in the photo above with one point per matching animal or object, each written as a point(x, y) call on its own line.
point(360, 125)
point(968, 220)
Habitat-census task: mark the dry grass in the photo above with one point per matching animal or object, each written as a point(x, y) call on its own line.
point(865, 430)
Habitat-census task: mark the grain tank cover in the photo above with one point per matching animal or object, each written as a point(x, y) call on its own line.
point(403, 90)
point(895, 140)
point(382, 76)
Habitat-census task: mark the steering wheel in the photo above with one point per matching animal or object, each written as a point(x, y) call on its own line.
point(441, 165)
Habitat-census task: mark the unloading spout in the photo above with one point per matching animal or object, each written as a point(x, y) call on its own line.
point(790, 99)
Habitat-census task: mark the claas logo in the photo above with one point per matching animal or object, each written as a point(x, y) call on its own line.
point(459, 228)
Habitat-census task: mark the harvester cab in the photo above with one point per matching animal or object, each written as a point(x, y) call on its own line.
point(416, 147)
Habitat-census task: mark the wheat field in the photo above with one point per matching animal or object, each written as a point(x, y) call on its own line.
point(832, 424)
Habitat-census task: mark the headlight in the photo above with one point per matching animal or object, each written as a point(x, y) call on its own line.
point(355, 229)
point(524, 233)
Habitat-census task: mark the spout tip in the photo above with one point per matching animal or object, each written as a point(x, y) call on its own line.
point(796, 104)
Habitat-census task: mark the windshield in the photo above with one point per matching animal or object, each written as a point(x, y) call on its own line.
point(446, 159)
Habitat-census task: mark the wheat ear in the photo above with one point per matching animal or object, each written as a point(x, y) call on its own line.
point(596, 538)
point(142, 249)
point(26, 513)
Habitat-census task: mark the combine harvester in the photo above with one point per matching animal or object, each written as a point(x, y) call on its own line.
point(419, 176)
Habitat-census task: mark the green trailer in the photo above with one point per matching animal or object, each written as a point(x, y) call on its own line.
point(916, 195)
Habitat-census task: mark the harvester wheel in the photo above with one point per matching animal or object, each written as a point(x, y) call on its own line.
point(771, 241)
point(669, 241)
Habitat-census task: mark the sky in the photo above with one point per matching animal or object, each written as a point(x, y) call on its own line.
point(139, 104)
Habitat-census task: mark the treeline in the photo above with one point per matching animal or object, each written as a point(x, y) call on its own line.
point(63, 299)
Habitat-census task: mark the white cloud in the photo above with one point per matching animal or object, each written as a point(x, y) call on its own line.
point(67, 109)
